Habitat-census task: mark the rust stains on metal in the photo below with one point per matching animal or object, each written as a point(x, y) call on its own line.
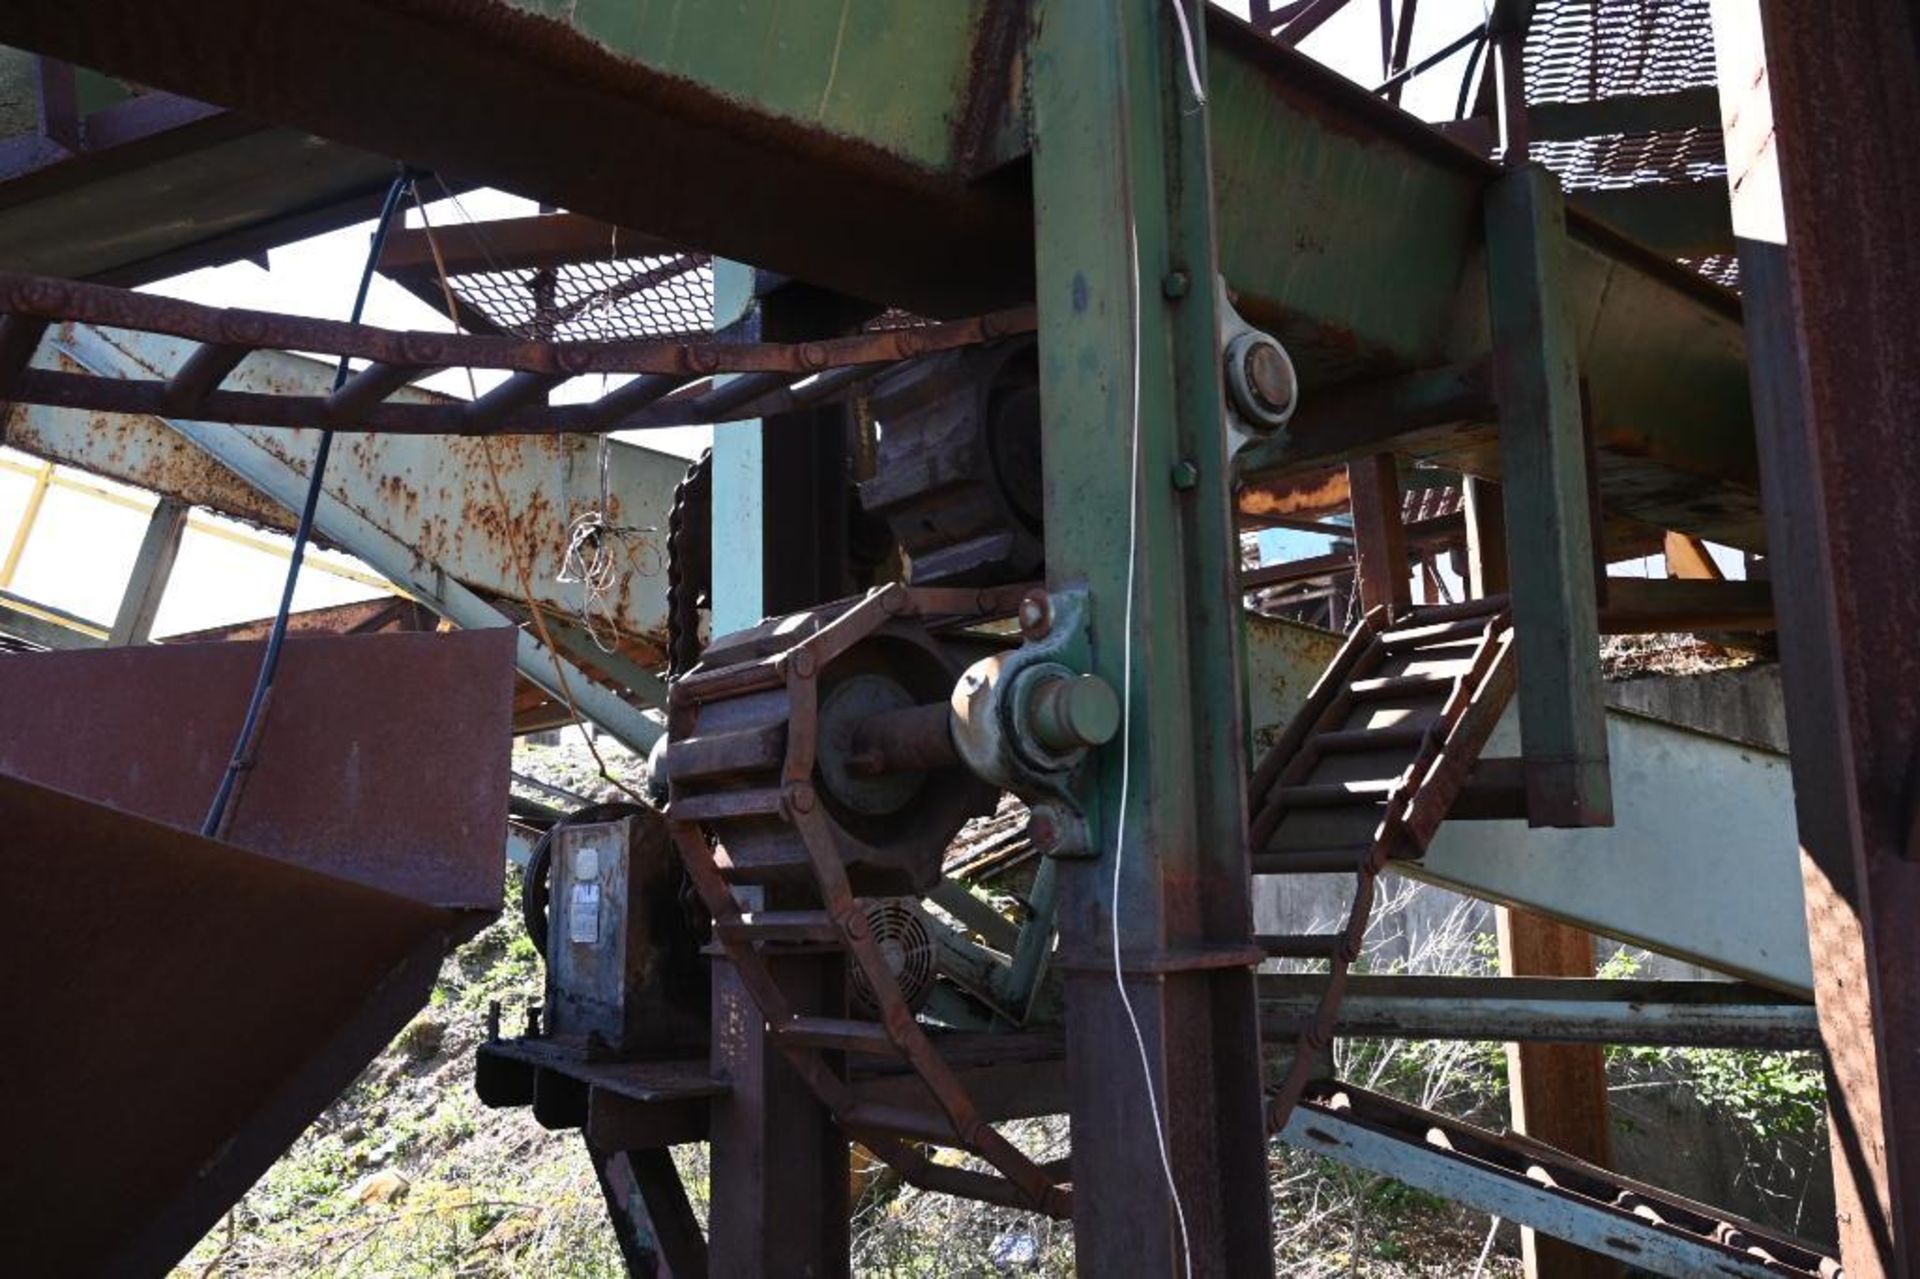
point(224, 991)
point(1304, 494)
point(773, 370)
point(853, 216)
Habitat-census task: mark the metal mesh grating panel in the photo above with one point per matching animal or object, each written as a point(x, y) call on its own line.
point(1591, 50)
point(1615, 161)
point(597, 300)
point(1585, 50)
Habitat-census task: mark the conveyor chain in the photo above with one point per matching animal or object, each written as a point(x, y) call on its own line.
point(747, 812)
point(1536, 1185)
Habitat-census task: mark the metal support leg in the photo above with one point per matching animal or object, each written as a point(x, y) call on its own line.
point(658, 1233)
point(151, 569)
point(1559, 1091)
point(1543, 457)
point(1824, 165)
point(1123, 190)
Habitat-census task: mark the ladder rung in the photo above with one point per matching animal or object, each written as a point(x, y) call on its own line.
point(1299, 945)
point(842, 1033)
point(1375, 690)
point(782, 925)
point(1392, 737)
point(1335, 794)
point(1312, 861)
point(1419, 636)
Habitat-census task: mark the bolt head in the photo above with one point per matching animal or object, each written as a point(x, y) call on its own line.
point(1036, 615)
point(1175, 284)
point(1267, 374)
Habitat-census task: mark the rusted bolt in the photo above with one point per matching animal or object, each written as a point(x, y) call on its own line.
point(1175, 284)
point(1043, 829)
point(800, 798)
point(1036, 615)
point(1269, 376)
point(1261, 384)
point(798, 664)
point(701, 359)
point(813, 355)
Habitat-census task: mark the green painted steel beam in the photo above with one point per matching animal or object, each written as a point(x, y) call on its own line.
point(1131, 395)
point(1686, 219)
point(1346, 226)
point(1550, 552)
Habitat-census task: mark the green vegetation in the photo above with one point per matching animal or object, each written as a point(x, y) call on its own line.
point(408, 1175)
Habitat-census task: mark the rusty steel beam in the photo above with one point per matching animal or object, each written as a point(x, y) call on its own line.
point(514, 244)
point(1824, 163)
point(1379, 538)
point(813, 124)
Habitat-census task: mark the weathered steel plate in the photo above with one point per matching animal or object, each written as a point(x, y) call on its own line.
point(183, 1007)
point(382, 759)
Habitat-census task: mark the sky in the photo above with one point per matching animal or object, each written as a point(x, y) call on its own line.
point(81, 548)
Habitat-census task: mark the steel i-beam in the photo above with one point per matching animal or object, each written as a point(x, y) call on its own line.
point(1129, 355)
point(387, 555)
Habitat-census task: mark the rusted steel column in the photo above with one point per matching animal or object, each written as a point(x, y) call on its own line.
point(1559, 1091)
point(653, 1222)
point(1379, 538)
point(1820, 104)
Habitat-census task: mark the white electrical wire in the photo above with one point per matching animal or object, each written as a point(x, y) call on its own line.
point(1126, 749)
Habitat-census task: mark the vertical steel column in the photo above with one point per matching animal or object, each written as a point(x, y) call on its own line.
point(1379, 537)
point(1559, 1091)
point(159, 547)
point(779, 1162)
point(1820, 104)
point(1126, 264)
point(1543, 459)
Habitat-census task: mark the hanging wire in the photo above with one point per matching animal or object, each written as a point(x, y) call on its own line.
point(521, 568)
point(241, 759)
point(591, 559)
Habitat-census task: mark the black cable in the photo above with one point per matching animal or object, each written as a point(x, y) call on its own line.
point(302, 532)
point(1473, 64)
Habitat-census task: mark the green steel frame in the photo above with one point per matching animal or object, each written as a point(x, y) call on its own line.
point(1157, 947)
point(955, 156)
